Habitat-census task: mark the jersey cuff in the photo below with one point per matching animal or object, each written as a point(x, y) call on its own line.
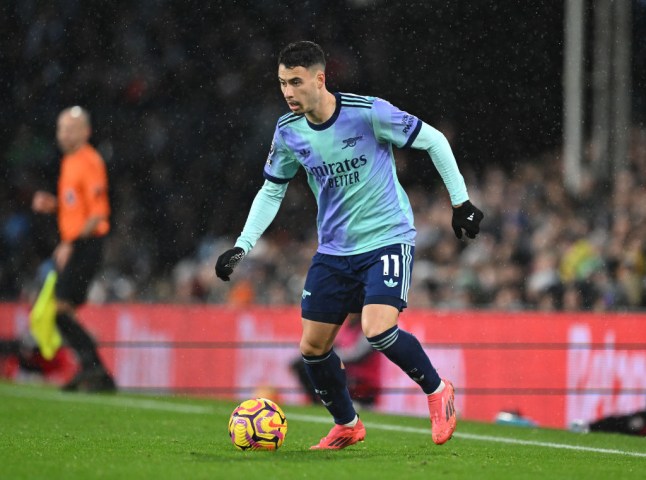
point(275, 179)
point(413, 135)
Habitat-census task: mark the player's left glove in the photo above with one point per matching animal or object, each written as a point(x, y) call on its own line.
point(467, 216)
point(227, 262)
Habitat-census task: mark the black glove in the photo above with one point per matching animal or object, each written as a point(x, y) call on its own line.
point(227, 262)
point(466, 216)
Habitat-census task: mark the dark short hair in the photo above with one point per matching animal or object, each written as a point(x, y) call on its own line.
point(302, 54)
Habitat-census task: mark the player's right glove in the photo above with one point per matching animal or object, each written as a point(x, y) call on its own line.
point(227, 262)
point(467, 216)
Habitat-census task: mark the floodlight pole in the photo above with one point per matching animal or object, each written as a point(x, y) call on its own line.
point(573, 117)
point(611, 86)
point(622, 81)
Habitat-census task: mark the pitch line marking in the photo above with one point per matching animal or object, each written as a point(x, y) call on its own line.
point(165, 406)
point(477, 437)
point(140, 403)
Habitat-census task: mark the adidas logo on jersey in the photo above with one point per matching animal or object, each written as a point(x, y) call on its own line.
point(390, 283)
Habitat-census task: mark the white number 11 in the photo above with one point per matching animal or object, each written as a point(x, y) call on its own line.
point(395, 259)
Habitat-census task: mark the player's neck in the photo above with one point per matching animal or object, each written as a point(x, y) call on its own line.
point(324, 111)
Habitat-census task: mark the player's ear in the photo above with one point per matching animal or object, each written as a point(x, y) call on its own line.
point(320, 78)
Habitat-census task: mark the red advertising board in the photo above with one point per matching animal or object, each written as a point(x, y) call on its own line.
point(552, 368)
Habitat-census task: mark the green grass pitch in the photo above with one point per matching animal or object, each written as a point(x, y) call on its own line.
point(48, 434)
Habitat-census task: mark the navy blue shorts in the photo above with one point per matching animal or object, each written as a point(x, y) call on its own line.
point(338, 285)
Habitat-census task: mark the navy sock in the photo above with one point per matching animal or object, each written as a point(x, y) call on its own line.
point(405, 351)
point(330, 382)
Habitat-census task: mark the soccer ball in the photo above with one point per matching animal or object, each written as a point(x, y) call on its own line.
point(257, 424)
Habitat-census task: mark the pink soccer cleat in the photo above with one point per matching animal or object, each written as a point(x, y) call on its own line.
point(341, 437)
point(442, 410)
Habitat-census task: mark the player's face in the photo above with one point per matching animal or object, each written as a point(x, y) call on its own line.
point(301, 87)
point(71, 132)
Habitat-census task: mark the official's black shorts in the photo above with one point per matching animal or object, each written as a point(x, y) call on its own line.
point(73, 282)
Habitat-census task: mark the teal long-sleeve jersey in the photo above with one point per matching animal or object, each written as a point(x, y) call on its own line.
point(351, 170)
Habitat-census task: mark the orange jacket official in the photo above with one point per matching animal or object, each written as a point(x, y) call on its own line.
point(82, 193)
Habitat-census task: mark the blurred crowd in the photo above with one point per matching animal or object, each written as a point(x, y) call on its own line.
point(184, 100)
point(540, 248)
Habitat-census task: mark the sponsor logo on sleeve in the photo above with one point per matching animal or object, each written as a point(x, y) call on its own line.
point(271, 151)
point(407, 122)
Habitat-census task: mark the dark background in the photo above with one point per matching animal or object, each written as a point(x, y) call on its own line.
point(184, 99)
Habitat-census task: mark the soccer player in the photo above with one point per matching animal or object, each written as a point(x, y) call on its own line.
point(83, 212)
point(366, 234)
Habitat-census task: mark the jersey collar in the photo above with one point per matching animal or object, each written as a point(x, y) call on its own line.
point(328, 123)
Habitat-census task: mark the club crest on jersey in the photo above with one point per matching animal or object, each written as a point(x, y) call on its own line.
point(351, 142)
